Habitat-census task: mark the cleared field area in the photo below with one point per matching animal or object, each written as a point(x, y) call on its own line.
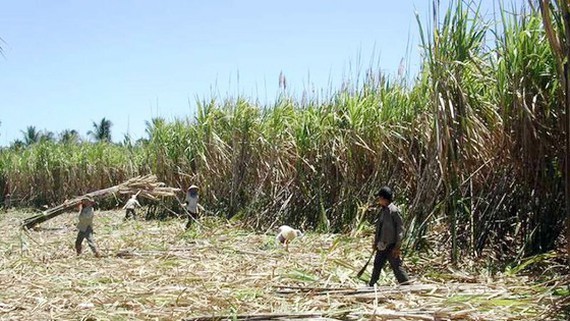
point(219, 270)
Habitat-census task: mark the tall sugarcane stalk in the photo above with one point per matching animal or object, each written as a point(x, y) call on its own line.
point(558, 33)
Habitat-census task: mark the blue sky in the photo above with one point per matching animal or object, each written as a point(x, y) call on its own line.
point(69, 63)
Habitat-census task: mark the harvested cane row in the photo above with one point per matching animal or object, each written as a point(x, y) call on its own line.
point(218, 271)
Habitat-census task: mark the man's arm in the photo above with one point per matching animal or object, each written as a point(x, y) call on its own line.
point(399, 228)
point(376, 234)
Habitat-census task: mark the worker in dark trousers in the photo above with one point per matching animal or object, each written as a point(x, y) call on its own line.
point(130, 207)
point(191, 204)
point(388, 238)
point(85, 226)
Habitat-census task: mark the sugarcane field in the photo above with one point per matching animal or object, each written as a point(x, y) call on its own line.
point(285, 160)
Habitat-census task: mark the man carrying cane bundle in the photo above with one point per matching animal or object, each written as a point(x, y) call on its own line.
point(85, 226)
point(388, 238)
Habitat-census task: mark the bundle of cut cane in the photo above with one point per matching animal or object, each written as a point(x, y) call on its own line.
point(145, 186)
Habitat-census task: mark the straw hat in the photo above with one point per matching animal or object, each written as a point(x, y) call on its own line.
point(87, 199)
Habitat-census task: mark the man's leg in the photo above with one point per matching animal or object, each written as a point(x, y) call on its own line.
point(399, 272)
point(78, 241)
point(191, 217)
point(91, 241)
point(379, 261)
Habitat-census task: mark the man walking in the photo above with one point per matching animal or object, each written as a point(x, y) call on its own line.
point(85, 226)
point(388, 238)
point(130, 206)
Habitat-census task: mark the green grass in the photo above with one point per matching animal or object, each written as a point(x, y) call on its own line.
point(302, 276)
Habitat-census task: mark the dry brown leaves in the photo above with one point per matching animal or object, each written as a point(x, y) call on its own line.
point(156, 270)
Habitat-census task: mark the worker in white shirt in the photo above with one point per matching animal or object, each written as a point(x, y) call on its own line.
point(191, 204)
point(130, 206)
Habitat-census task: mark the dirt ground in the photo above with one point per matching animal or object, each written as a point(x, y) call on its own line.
point(155, 270)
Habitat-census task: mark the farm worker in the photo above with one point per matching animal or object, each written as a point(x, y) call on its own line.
point(286, 235)
point(130, 206)
point(7, 196)
point(388, 238)
point(85, 225)
point(191, 204)
point(7, 201)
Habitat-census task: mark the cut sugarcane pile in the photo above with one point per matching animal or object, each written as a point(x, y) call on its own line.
point(144, 186)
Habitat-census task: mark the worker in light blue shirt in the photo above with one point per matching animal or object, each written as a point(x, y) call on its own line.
point(85, 226)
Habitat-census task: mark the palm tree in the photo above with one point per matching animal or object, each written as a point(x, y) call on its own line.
point(69, 136)
point(17, 144)
point(31, 135)
point(46, 136)
point(102, 131)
